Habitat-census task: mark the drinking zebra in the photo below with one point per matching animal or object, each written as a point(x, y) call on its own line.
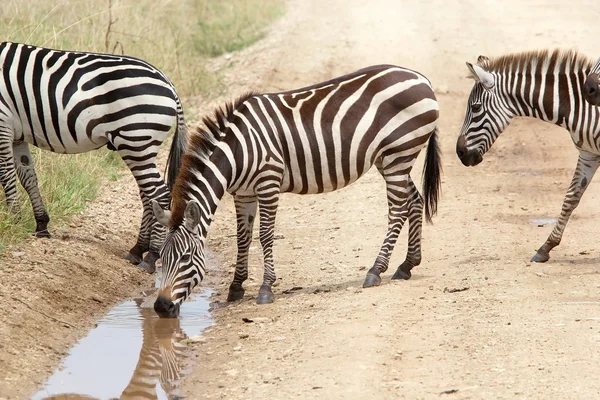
point(74, 102)
point(311, 140)
point(545, 85)
point(592, 85)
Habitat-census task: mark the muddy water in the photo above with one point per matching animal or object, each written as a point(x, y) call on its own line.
point(130, 354)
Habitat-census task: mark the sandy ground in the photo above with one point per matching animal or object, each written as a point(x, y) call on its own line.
point(518, 330)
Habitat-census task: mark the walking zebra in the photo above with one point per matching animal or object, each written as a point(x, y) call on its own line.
point(545, 85)
point(592, 85)
point(311, 140)
point(161, 358)
point(74, 102)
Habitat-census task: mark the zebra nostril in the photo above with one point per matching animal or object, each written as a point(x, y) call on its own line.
point(461, 153)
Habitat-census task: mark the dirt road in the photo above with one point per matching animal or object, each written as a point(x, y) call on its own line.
point(518, 330)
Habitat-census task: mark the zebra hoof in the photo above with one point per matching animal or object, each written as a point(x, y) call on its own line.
point(133, 258)
point(540, 257)
point(149, 268)
point(372, 280)
point(399, 274)
point(43, 234)
point(236, 292)
point(265, 295)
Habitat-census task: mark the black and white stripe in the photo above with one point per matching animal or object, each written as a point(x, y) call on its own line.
point(312, 140)
point(544, 85)
point(74, 102)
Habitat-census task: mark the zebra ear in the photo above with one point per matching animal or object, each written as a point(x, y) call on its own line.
point(162, 216)
point(483, 61)
point(192, 215)
point(481, 75)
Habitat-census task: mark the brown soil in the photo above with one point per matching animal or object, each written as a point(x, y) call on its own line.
point(518, 330)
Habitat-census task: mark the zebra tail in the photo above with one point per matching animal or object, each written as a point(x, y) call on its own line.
point(432, 176)
point(178, 147)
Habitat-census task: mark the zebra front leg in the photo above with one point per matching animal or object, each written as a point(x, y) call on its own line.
point(26, 173)
point(397, 213)
point(587, 165)
point(268, 210)
point(415, 225)
point(245, 210)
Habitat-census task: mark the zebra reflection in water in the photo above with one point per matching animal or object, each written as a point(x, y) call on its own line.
point(161, 357)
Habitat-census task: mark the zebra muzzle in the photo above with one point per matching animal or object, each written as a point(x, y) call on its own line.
point(165, 308)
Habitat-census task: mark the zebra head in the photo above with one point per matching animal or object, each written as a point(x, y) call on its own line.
point(487, 115)
point(182, 256)
point(591, 91)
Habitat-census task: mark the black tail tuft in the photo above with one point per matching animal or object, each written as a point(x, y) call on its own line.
point(432, 176)
point(178, 147)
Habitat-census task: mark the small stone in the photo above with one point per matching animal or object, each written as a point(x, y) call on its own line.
point(237, 348)
point(243, 335)
point(18, 254)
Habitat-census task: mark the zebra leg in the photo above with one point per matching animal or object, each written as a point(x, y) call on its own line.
point(245, 210)
point(27, 176)
point(587, 165)
point(415, 224)
point(142, 164)
point(8, 175)
point(268, 209)
point(397, 213)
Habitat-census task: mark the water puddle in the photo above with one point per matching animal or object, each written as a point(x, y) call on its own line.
point(543, 221)
point(130, 354)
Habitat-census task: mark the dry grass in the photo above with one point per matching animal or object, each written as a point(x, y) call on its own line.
point(175, 36)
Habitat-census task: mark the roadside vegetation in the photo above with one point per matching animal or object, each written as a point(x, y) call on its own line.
point(178, 37)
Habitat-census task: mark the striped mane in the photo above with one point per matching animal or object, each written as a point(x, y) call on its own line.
point(568, 60)
point(201, 145)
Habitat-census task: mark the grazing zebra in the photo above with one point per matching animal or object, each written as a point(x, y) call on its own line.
point(311, 140)
point(161, 358)
point(545, 85)
point(74, 102)
point(592, 85)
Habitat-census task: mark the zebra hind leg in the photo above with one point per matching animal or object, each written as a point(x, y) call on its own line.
point(415, 224)
point(245, 209)
point(586, 168)
point(27, 176)
point(397, 213)
point(140, 157)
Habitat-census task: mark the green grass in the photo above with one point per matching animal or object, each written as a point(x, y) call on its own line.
point(178, 37)
point(227, 26)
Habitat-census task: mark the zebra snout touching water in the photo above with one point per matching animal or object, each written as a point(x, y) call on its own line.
point(592, 85)
point(74, 102)
point(550, 86)
point(312, 140)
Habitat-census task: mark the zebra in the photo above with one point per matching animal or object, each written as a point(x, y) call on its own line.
point(592, 85)
point(548, 85)
point(74, 102)
point(161, 358)
point(312, 140)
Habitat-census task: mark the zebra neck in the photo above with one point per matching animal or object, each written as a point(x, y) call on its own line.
point(557, 99)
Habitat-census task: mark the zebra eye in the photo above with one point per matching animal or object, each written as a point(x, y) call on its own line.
point(185, 259)
point(476, 107)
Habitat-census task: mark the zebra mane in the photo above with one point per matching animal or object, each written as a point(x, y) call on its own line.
point(201, 145)
point(568, 60)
